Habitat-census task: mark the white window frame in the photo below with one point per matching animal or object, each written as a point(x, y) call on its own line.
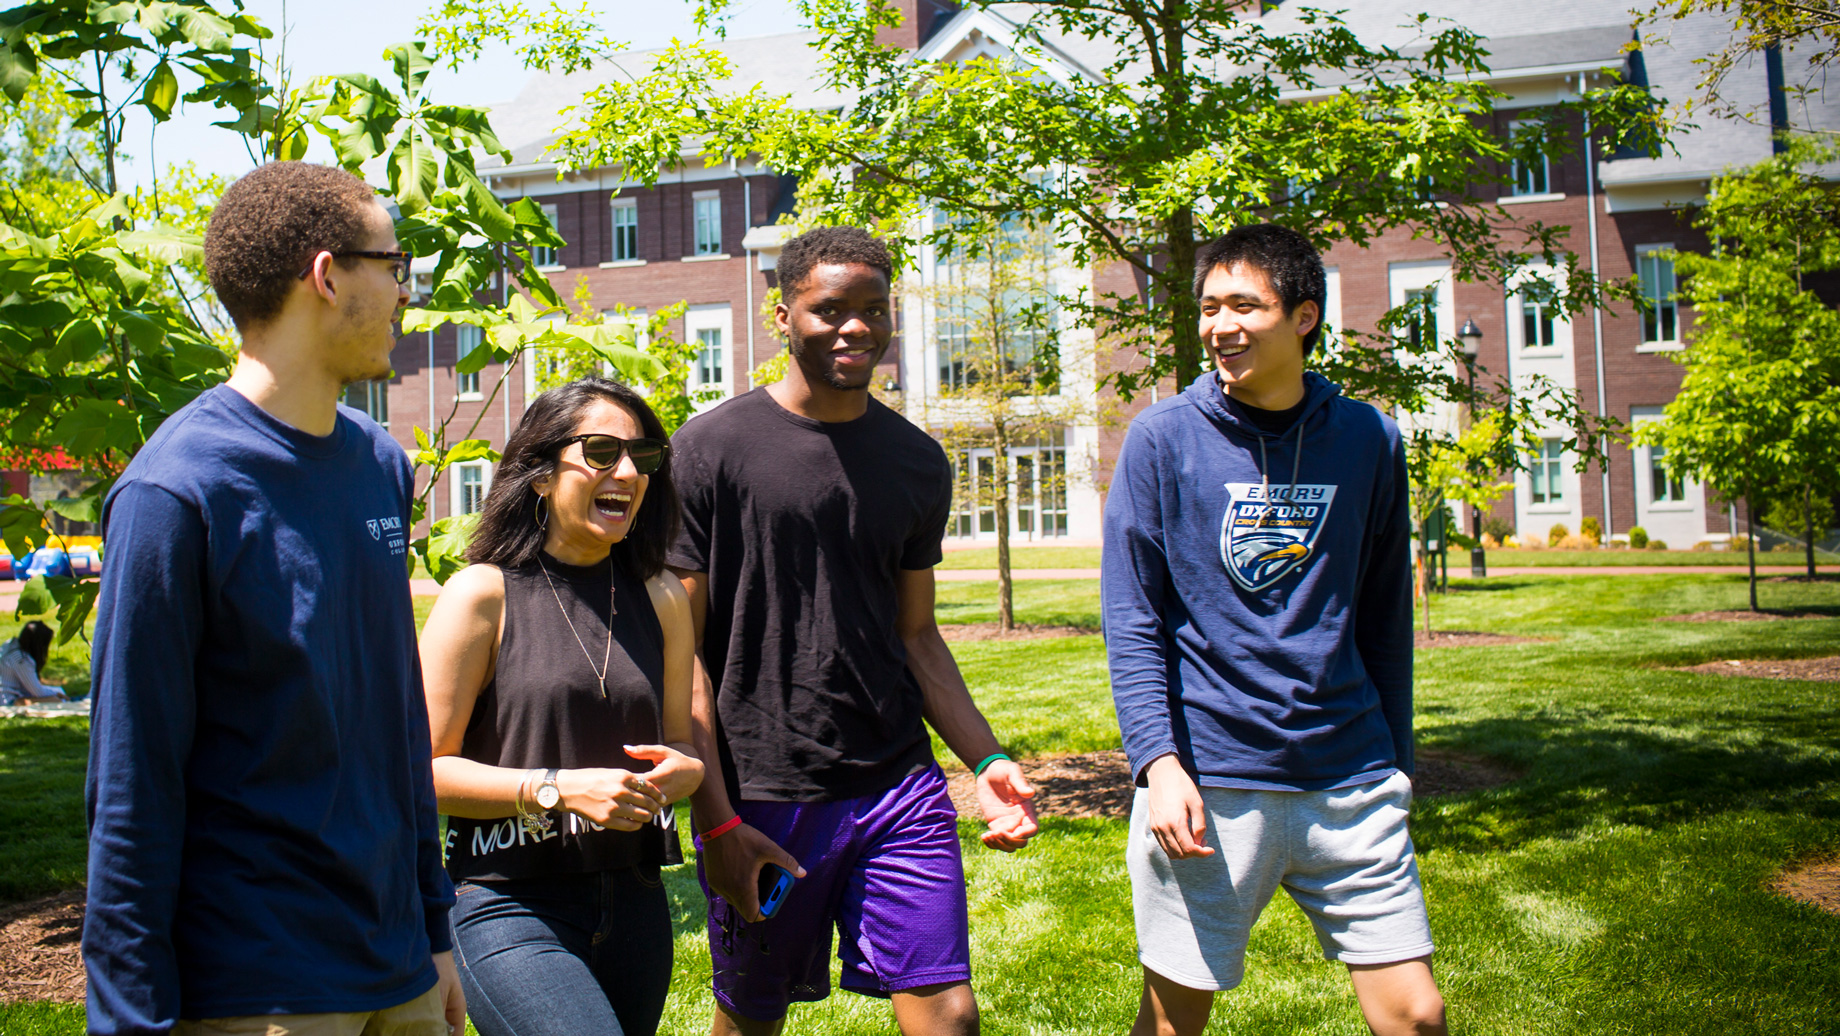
point(625, 217)
point(542, 256)
point(1646, 254)
point(1550, 463)
point(457, 489)
point(1541, 189)
point(720, 318)
point(706, 223)
point(466, 386)
point(712, 364)
point(1517, 324)
point(377, 397)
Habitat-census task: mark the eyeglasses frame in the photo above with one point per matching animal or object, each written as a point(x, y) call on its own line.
point(399, 261)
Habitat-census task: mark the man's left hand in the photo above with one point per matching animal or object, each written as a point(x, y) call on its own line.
point(1003, 794)
point(453, 998)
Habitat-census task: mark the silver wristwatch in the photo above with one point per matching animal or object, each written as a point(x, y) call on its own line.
point(548, 795)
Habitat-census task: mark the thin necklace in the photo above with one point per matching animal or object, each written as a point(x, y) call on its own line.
point(607, 658)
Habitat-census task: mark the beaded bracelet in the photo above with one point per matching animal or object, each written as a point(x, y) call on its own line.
point(981, 767)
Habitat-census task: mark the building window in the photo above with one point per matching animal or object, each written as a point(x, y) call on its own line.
point(467, 338)
point(707, 212)
point(372, 397)
point(1536, 324)
point(1664, 488)
point(1655, 271)
point(1422, 331)
point(710, 357)
point(471, 481)
point(542, 255)
point(625, 230)
point(1549, 472)
point(1532, 172)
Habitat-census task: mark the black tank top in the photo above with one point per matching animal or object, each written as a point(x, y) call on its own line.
point(545, 708)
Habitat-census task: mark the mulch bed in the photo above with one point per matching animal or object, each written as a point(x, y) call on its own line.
point(1739, 615)
point(1818, 577)
point(1771, 668)
point(1817, 885)
point(1021, 631)
point(1466, 638)
point(40, 958)
point(1098, 784)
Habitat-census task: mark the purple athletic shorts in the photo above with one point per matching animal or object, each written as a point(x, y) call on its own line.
point(885, 869)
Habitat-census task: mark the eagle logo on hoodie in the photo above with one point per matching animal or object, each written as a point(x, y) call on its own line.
point(1267, 534)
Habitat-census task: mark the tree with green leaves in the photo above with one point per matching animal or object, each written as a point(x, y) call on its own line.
point(96, 350)
point(998, 333)
point(1810, 27)
point(1203, 118)
point(1758, 411)
point(1465, 467)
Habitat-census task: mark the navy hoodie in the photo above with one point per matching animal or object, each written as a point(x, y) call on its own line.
point(263, 834)
point(1257, 592)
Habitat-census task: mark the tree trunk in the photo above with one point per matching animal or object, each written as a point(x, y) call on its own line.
point(1808, 524)
point(1184, 310)
point(1006, 607)
point(1750, 543)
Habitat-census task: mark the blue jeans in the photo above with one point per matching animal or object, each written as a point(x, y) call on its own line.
point(565, 954)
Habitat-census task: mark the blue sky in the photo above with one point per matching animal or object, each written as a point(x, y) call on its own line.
point(327, 37)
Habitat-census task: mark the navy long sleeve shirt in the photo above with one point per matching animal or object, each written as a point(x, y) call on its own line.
point(263, 833)
point(1256, 591)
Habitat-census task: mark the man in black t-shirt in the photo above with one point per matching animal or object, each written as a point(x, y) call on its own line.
point(812, 520)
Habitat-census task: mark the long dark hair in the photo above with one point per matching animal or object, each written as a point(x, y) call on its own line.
point(35, 641)
point(508, 534)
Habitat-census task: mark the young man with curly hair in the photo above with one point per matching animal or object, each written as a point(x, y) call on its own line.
point(1257, 603)
point(812, 521)
point(264, 850)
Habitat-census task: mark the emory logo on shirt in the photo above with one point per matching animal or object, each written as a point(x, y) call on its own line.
point(1264, 539)
point(391, 525)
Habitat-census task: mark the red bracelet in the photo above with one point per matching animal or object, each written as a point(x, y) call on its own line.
point(721, 829)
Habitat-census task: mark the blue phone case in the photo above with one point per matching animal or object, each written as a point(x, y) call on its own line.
point(775, 882)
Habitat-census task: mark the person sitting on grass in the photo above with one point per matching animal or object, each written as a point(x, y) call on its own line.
point(21, 660)
point(1257, 601)
point(557, 669)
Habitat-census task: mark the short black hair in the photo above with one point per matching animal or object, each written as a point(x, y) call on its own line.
point(270, 223)
point(1284, 256)
point(840, 246)
point(35, 640)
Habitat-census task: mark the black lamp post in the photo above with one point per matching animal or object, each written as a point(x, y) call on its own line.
point(1471, 337)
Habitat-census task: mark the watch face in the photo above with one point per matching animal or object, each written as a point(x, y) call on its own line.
point(548, 796)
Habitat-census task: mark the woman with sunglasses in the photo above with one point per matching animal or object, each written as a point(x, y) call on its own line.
point(557, 667)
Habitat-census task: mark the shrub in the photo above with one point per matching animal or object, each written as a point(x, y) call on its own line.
point(1576, 542)
point(1498, 527)
point(1787, 547)
point(1638, 537)
point(1592, 528)
point(1510, 542)
point(1557, 533)
point(1657, 544)
point(1489, 542)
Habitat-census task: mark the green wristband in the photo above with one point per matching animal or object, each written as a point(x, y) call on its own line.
point(981, 767)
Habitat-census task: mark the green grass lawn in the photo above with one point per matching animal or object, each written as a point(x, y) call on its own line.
point(1459, 558)
point(1620, 886)
point(1024, 557)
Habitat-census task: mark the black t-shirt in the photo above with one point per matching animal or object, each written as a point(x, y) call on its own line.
point(1271, 422)
point(801, 527)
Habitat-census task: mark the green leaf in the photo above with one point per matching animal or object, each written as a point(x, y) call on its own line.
point(163, 243)
point(161, 92)
point(412, 64)
point(414, 173)
point(35, 598)
point(74, 608)
point(470, 449)
point(81, 340)
point(18, 67)
point(446, 546)
point(84, 508)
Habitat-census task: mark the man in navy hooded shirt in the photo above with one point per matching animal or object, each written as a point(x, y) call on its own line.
point(1257, 601)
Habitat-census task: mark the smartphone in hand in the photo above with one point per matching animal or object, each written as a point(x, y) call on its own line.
point(775, 883)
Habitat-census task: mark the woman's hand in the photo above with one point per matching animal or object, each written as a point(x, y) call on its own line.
point(676, 773)
point(619, 800)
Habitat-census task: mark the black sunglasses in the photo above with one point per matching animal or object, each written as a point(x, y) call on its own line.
point(603, 451)
point(399, 262)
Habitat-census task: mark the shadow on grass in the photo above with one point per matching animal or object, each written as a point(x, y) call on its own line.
point(1583, 775)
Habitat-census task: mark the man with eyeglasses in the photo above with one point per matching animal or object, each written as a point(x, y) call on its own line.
point(812, 521)
point(264, 848)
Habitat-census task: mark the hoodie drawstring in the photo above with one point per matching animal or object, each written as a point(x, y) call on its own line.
point(1265, 476)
